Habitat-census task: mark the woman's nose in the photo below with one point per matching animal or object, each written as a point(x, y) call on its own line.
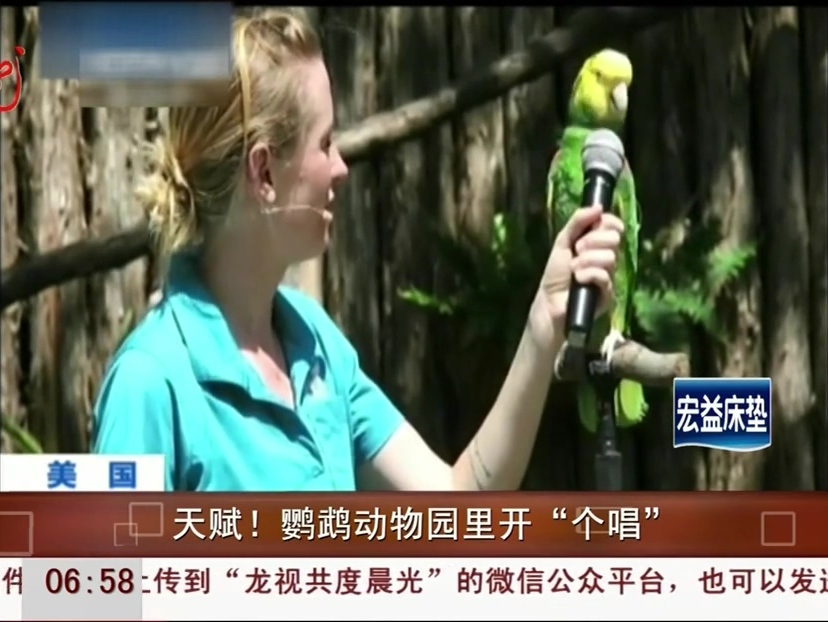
point(340, 169)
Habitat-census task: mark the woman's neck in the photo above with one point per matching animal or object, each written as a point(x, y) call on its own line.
point(243, 285)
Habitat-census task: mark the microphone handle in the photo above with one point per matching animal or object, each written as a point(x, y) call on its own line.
point(599, 187)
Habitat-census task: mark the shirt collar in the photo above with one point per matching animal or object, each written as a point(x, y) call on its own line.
point(213, 352)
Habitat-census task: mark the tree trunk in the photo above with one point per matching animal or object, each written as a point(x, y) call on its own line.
point(532, 115)
point(479, 190)
point(726, 184)
point(10, 404)
point(532, 122)
point(780, 194)
point(353, 262)
point(414, 189)
point(815, 81)
point(54, 217)
point(117, 299)
point(659, 138)
point(480, 169)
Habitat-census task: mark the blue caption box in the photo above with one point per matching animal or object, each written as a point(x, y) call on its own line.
point(733, 414)
point(135, 41)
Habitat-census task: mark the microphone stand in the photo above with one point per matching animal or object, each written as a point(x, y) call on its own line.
point(598, 372)
point(608, 464)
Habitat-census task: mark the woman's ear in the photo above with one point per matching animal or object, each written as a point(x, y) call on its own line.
point(259, 161)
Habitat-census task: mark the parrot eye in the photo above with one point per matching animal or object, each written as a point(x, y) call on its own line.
point(599, 74)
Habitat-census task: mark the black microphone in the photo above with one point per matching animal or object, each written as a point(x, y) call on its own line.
point(602, 159)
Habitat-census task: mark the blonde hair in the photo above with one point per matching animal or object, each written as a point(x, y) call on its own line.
point(195, 165)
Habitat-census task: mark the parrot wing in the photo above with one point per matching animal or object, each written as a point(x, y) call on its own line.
point(565, 178)
point(550, 193)
point(630, 403)
point(629, 210)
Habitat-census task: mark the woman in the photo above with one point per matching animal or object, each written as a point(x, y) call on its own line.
point(246, 390)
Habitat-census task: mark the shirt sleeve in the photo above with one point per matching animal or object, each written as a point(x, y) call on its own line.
point(374, 417)
point(135, 411)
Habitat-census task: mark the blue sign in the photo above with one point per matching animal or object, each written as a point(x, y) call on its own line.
point(733, 414)
point(122, 475)
point(62, 475)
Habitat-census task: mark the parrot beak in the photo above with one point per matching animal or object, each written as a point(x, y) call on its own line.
point(620, 97)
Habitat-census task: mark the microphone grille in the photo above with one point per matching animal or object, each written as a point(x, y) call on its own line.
point(603, 151)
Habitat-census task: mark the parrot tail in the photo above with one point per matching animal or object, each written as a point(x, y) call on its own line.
point(630, 406)
point(588, 407)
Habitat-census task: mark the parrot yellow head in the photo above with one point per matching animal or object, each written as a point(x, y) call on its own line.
point(601, 91)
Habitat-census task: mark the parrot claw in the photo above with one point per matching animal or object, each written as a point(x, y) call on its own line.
point(612, 341)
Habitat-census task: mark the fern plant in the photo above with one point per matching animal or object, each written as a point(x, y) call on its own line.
point(492, 280)
point(682, 271)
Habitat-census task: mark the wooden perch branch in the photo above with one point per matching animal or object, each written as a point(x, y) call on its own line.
point(587, 30)
point(630, 361)
point(80, 259)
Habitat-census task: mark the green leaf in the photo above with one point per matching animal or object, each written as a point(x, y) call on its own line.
point(424, 300)
point(22, 440)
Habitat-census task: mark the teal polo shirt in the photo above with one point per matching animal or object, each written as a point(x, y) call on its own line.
point(179, 386)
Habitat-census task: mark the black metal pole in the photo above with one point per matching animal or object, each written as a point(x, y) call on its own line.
point(608, 463)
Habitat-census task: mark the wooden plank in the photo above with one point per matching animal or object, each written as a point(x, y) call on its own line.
point(352, 284)
point(117, 299)
point(566, 71)
point(532, 119)
point(415, 187)
point(10, 405)
point(780, 194)
point(658, 140)
point(532, 113)
point(726, 195)
point(477, 367)
point(814, 56)
point(54, 215)
point(480, 168)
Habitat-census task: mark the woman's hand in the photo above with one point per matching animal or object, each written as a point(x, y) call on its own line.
point(595, 238)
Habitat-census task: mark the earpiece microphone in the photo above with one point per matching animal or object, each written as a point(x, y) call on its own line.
point(602, 159)
point(277, 209)
point(296, 207)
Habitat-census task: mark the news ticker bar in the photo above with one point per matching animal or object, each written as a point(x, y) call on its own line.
point(413, 525)
point(414, 589)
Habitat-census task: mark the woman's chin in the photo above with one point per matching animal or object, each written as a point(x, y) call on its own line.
point(305, 233)
point(317, 240)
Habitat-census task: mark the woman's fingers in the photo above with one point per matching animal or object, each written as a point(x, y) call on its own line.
point(596, 256)
point(593, 275)
point(596, 267)
point(599, 239)
point(601, 258)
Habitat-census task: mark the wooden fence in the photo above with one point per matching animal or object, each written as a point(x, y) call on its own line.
point(727, 119)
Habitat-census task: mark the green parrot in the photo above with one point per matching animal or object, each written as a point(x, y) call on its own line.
point(599, 100)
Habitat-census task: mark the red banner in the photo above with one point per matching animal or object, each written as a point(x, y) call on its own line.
point(414, 525)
